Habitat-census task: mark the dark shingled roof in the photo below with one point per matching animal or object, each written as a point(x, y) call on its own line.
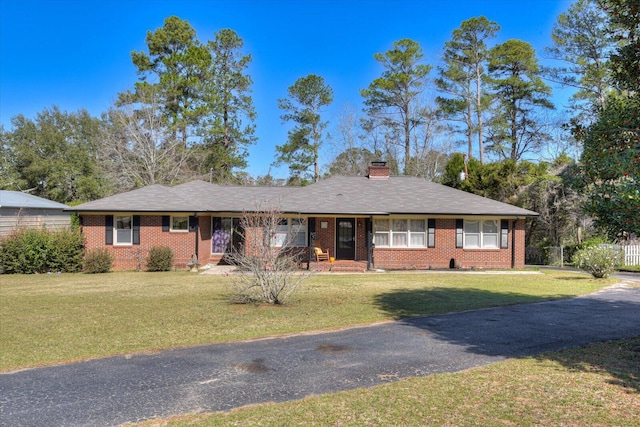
point(338, 195)
point(153, 198)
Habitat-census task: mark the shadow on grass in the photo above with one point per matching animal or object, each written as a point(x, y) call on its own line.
point(523, 326)
point(620, 358)
point(402, 303)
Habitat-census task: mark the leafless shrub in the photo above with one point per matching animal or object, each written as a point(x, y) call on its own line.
point(269, 261)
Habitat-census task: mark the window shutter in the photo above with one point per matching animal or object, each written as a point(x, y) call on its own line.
point(108, 230)
point(193, 223)
point(459, 233)
point(136, 229)
point(504, 233)
point(166, 223)
point(431, 233)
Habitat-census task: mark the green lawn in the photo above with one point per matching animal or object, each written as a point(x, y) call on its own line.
point(49, 319)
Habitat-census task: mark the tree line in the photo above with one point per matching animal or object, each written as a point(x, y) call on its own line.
point(190, 115)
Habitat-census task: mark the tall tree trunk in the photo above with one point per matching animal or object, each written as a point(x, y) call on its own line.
point(469, 130)
point(407, 141)
point(479, 129)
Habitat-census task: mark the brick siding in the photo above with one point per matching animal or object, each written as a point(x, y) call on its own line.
point(439, 257)
point(133, 257)
point(445, 254)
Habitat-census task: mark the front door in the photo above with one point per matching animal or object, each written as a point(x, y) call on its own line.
point(345, 238)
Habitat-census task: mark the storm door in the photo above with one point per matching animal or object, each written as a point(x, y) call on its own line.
point(345, 238)
point(226, 235)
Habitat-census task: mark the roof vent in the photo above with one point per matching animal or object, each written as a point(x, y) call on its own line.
point(379, 170)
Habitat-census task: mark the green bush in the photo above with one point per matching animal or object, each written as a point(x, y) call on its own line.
point(31, 251)
point(66, 252)
point(97, 261)
point(600, 261)
point(160, 258)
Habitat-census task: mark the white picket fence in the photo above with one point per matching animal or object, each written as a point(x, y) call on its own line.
point(631, 253)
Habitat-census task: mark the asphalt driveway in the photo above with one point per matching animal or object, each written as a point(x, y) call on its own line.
point(121, 389)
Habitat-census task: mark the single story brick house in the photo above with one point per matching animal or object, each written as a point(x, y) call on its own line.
point(379, 221)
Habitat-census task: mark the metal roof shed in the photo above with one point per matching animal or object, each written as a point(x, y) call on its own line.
point(21, 210)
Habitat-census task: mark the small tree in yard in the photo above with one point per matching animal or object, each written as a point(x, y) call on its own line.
point(268, 262)
point(598, 260)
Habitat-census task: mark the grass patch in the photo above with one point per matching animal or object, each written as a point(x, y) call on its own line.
point(49, 319)
point(593, 385)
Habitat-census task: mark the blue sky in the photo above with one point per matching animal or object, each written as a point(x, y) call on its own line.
point(76, 54)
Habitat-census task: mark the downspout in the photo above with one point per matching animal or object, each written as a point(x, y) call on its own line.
point(369, 232)
point(513, 242)
point(197, 223)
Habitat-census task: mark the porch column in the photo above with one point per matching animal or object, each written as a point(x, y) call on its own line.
point(370, 246)
point(513, 242)
point(311, 230)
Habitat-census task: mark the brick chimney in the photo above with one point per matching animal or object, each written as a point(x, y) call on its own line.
point(379, 170)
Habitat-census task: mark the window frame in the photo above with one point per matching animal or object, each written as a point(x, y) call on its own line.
point(285, 232)
point(299, 227)
point(481, 234)
point(179, 230)
point(229, 232)
point(399, 226)
point(116, 241)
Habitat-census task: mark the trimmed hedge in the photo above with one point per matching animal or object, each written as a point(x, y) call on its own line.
point(31, 251)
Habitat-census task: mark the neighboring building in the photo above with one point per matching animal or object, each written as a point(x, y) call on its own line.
point(20, 210)
point(381, 221)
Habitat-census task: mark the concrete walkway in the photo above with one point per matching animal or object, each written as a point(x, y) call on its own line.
point(116, 390)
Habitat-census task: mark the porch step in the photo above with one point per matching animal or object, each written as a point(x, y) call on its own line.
point(340, 266)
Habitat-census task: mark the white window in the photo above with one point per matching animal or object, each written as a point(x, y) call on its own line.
point(417, 233)
point(400, 233)
point(282, 230)
point(490, 237)
point(298, 232)
point(123, 230)
point(472, 234)
point(291, 232)
point(179, 223)
point(481, 234)
point(381, 236)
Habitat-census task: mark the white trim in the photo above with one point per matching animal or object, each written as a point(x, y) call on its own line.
point(115, 230)
point(178, 230)
point(482, 236)
point(287, 236)
point(407, 233)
